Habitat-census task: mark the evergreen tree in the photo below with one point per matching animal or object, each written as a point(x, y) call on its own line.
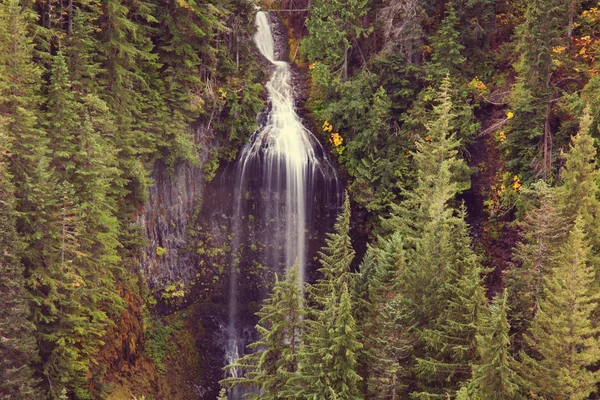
point(128, 65)
point(577, 196)
point(440, 262)
point(562, 342)
point(335, 259)
point(529, 141)
point(446, 58)
point(494, 376)
point(328, 356)
point(387, 345)
point(333, 27)
point(544, 230)
point(18, 348)
point(19, 96)
point(435, 156)
point(446, 319)
point(280, 328)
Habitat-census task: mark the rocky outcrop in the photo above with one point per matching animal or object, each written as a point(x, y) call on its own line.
point(165, 217)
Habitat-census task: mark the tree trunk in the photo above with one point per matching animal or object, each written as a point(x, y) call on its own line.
point(572, 9)
point(547, 143)
point(346, 48)
point(70, 30)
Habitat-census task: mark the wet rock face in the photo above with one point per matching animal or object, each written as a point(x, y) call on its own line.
point(165, 217)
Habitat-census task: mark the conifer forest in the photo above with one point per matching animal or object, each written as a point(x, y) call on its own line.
point(299, 199)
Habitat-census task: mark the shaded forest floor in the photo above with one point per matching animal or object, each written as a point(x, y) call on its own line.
point(493, 233)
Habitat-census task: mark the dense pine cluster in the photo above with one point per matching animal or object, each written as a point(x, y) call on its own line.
point(414, 321)
point(92, 94)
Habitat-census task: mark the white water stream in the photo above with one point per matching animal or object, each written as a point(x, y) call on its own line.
point(282, 153)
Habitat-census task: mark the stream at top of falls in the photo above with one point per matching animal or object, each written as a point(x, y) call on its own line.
point(283, 182)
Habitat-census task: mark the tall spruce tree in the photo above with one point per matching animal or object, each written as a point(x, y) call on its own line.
point(562, 342)
point(440, 262)
point(577, 196)
point(387, 344)
point(18, 349)
point(435, 155)
point(493, 376)
point(529, 140)
point(328, 356)
point(446, 319)
point(333, 28)
point(544, 230)
point(280, 328)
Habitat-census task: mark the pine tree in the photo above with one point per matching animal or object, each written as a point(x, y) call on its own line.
point(19, 95)
point(446, 58)
point(494, 376)
point(18, 348)
point(529, 141)
point(544, 230)
point(333, 27)
point(280, 328)
point(328, 356)
point(335, 258)
point(440, 262)
point(435, 156)
point(562, 342)
point(62, 118)
point(128, 65)
point(577, 196)
point(387, 345)
point(445, 320)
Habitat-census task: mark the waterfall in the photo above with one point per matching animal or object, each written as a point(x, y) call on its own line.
point(284, 166)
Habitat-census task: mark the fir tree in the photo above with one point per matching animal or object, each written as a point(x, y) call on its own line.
point(562, 342)
point(440, 262)
point(18, 349)
point(494, 376)
point(447, 58)
point(446, 319)
point(333, 27)
point(328, 356)
point(577, 196)
point(435, 155)
point(280, 328)
point(387, 344)
point(335, 258)
point(544, 230)
point(529, 141)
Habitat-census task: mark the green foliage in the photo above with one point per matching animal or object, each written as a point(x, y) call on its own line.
point(158, 344)
point(280, 327)
point(327, 360)
point(494, 376)
point(528, 140)
point(333, 27)
point(577, 195)
point(18, 347)
point(544, 230)
point(562, 329)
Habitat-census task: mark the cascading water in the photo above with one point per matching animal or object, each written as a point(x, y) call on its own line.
point(278, 173)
